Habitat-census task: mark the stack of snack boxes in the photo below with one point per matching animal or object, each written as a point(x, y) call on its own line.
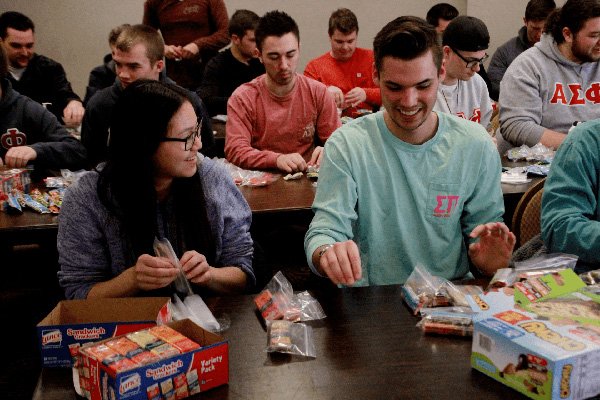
point(541, 338)
point(72, 323)
point(171, 361)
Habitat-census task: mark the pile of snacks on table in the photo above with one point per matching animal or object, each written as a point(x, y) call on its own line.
point(16, 193)
point(536, 328)
point(246, 177)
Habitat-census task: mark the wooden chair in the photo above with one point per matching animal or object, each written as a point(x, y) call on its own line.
point(526, 219)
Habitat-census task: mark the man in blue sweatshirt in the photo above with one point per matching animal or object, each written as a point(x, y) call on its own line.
point(556, 82)
point(571, 200)
point(30, 134)
point(407, 185)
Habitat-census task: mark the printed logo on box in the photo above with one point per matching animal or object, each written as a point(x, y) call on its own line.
point(129, 383)
point(209, 365)
point(52, 338)
point(164, 370)
point(86, 333)
point(511, 317)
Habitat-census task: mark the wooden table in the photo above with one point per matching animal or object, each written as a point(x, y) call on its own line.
point(281, 196)
point(367, 348)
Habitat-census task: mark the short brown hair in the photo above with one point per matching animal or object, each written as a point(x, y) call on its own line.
point(406, 38)
point(343, 20)
point(146, 35)
point(114, 33)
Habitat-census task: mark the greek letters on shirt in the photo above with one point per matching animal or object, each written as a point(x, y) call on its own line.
point(475, 116)
point(12, 138)
point(445, 205)
point(572, 94)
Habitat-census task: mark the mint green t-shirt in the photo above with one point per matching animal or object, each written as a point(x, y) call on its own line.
point(406, 204)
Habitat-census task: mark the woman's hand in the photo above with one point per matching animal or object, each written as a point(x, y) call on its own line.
point(153, 272)
point(196, 268)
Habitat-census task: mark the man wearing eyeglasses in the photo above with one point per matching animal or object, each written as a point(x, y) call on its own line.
point(463, 92)
point(138, 55)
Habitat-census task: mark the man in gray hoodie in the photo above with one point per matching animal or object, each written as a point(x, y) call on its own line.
point(555, 83)
point(536, 13)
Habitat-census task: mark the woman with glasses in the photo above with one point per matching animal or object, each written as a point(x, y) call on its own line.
point(154, 185)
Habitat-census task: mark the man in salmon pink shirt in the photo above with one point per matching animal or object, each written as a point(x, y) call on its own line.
point(281, 119)
point(347, 70)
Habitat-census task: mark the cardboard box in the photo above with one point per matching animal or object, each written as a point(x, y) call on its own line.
point(75, 322)
point(541, 357)
point(174, 377)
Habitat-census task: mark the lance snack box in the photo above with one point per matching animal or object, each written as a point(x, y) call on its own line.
point(73, 323)
point(542, 354)
point(166, 362)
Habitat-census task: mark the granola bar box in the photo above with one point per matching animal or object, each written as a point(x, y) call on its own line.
point(545, 352)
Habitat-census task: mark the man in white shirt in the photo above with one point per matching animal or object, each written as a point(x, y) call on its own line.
point(463, 91)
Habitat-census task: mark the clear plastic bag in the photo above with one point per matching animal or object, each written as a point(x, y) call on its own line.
point(290, 338)
point(424, 290)
point(456, 321)
point(539, 152)
point(591, 277)
point(245, 177)
point(162, 248)
point(544, 264)
point(278, 301)
point(192, 306)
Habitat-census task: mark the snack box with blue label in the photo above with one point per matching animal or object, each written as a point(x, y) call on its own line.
point(199, 364)
point(73, 323)
point(542, 357)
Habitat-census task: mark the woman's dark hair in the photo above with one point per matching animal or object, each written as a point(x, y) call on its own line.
point(140, 119)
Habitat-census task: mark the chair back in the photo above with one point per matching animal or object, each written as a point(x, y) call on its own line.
point(526, 219)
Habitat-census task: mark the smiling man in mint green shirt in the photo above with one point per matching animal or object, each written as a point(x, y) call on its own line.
point(408, 186)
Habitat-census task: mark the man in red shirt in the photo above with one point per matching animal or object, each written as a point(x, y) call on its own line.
point(347, 70)
point(280, 119)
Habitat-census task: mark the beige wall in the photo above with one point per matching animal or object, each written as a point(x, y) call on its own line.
point(74, 32)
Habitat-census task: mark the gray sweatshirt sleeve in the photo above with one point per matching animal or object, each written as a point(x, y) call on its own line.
point(83, 246)
point(230, 218)
point(521, 104)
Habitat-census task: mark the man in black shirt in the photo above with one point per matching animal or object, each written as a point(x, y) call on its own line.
point(35, 76)
point(234, 66)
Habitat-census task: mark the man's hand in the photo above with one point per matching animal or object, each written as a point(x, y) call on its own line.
point(19, 156)
point(494, 248)
point(291, 162)
point(153, 272)
point(190, 51)
point(73, 114)
point(341, 263)
point(354, 97)
point(196, 267)
point(316, 157)
point(337, 94)
point(173, 52)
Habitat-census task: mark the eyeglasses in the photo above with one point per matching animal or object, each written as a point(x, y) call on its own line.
point(471, 62)
point(190, 139)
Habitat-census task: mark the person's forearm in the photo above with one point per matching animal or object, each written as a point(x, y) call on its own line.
point(552, 138)
point(227, 280)
point(122, 285)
